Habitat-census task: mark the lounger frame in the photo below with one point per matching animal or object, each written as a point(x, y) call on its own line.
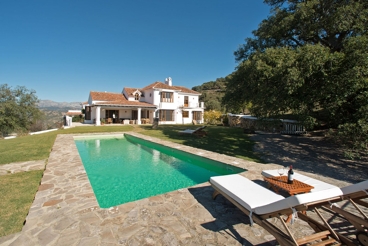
point(360, 223)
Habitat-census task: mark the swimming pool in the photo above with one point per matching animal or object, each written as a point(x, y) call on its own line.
point(126, 168)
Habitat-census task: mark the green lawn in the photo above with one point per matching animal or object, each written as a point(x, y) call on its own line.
point(224, 140)
point(18, 190)
point(38, 147)
point(17, 193)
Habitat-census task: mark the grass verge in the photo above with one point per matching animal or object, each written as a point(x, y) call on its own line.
point(17, 194)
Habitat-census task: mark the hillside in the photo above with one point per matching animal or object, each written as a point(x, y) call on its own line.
point(212, 93)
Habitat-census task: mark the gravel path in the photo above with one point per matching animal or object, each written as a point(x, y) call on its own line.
point(310, 154)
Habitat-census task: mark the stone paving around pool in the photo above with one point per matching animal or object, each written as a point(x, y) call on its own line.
point(65, 210)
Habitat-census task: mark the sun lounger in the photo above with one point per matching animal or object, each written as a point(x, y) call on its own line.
point(260, 203)
point(352, 193)
point(197, 132)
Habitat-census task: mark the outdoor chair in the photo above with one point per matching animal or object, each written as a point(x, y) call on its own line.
point(260, 204)
point(109, 120)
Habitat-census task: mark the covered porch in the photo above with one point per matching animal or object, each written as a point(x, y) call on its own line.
point(107, 114)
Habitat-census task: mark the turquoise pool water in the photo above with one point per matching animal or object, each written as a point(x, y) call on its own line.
point(125, 169)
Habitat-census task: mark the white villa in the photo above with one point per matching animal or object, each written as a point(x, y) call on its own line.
point(170, 104)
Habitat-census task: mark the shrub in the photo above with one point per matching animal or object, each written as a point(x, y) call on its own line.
point(212, 117)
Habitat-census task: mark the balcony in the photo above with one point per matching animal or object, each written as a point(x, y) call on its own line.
point(192, 105)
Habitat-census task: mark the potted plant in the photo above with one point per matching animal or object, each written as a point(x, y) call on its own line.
point(102, 121)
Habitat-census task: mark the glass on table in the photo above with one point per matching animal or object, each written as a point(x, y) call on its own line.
point(281, 171)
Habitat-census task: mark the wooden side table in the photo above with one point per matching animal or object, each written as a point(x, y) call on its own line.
point(280, 183)
point(297, 187)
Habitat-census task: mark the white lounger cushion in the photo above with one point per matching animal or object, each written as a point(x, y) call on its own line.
point(355, 188)
point(189, 131)
point(260, 200)
point(244, 191)
point(317, 184)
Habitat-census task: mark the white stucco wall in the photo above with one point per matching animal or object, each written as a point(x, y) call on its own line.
point(147, 97)
point(156, 97)
point(125, 113)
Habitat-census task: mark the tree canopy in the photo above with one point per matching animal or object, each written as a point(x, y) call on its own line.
point(18, 109)
point(310, 59)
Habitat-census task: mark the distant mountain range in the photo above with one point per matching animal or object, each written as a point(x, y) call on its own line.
point(54, 111)
point(59, 106)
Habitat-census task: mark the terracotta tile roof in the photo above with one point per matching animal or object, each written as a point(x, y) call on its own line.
point(186, 90)
point(107, 96)
point(73, 113)
point(131, 90)
point(160, 85)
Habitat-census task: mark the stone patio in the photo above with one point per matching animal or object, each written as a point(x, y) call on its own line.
point(65, 210)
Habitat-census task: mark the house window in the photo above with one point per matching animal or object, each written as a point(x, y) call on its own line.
point(136, 96)
point(197, 115)
point(185, 114)
point(166, 115)
point(87, 112)
point(167, 97)
point(186, 101)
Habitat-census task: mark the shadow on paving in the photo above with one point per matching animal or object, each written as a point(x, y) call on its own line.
point(227, 215)
point(311, 154)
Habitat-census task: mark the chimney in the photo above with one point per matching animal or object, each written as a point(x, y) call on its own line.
point(168, 81)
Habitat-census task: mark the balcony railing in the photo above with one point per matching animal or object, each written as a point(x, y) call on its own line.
point(192, 105)
point(165, 105)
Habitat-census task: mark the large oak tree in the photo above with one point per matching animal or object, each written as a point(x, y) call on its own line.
point(308, 57)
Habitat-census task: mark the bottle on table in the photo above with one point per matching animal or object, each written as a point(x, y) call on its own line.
point(290, 175)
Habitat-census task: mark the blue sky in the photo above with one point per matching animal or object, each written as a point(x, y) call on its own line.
point(64, 49)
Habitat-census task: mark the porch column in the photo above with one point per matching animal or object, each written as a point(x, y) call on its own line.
point(98, 122)
point(139, 116)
